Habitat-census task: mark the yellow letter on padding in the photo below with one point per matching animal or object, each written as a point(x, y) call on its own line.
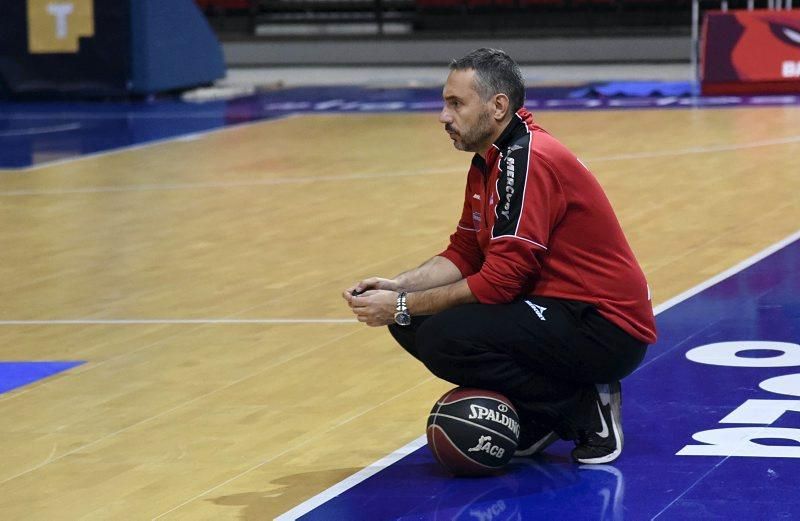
point(54, 26)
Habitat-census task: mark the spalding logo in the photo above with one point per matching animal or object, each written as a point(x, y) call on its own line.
point(478, 412)
point(485, 445)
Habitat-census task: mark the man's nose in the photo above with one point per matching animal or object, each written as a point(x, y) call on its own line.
point(444, 116)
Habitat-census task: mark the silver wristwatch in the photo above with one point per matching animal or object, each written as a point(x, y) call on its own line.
point(401, 316)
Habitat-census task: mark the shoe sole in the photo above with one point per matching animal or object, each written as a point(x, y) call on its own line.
point(537, 447)
point(616, 427)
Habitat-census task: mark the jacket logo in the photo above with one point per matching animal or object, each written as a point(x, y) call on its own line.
point(509, 188)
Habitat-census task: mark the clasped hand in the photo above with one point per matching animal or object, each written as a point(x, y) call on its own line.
point(376, 300)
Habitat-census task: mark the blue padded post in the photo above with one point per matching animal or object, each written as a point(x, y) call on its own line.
point(173, 47)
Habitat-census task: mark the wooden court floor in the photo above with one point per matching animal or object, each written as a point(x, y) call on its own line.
point(224, 376)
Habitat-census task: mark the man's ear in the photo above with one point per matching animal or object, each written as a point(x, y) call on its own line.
point(501, 106)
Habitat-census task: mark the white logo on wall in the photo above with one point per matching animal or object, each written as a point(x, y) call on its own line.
point(61, 12)
point(791, 34)
point(485, 445)
point(790, 69)
point(758, 413)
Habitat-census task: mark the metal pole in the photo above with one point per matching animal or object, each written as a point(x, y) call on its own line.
point(379, 16)
point(724, 6)
point(750, 5)
point(695, 46)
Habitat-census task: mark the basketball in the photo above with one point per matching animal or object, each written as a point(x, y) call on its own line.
point(472, 432)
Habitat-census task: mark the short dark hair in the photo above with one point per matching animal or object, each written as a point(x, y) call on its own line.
point(495, 73)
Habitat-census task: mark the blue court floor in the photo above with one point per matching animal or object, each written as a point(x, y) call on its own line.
point(711, 421)
point(19, 374)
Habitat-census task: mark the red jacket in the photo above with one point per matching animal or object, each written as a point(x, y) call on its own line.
point(537, 222)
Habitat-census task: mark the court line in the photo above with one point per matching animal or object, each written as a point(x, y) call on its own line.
point(337, 489)
point(126, 321)
point(359, 476)
point(28, 116)
point(701, 150)
point(690, 487)
point(94, 365)
point(313, 438)
point(665, 263)
point(228, 184)
point(410, 173)
point(162, 413)
point(138, 146)
point(763, 254)
point(52, 129)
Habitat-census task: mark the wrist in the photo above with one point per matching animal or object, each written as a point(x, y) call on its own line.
point(401, 315)
point(399, 284)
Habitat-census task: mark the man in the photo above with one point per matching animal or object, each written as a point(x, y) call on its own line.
point(538, 295)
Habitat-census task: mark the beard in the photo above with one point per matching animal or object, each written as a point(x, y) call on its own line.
point(474, 138)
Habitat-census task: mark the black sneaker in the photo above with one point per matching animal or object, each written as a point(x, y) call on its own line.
point(533, 439)
point(605, 445)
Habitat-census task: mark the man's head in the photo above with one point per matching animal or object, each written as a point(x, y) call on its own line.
point(483, 91)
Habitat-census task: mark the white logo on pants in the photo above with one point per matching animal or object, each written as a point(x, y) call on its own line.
point(539, 310)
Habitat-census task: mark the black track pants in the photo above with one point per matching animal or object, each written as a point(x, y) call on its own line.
point(544, 354)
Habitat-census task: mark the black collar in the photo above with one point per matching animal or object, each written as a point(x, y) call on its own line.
point(515, 129)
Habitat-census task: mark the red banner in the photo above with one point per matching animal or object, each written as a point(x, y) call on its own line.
point(750, 52)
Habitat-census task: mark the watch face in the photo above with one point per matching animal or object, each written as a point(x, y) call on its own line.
point(402, 319)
